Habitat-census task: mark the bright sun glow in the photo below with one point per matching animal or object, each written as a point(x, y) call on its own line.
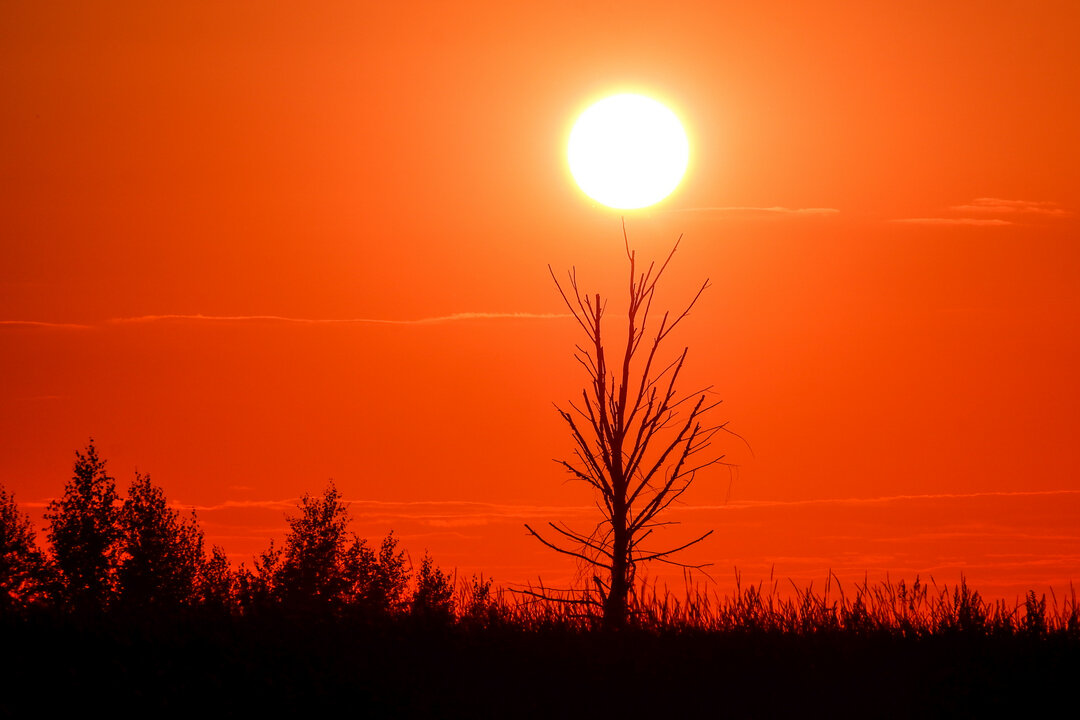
point(628, 151)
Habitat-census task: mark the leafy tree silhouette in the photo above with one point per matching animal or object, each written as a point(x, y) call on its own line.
point(391, 576)
point(85, 533)
point(258, 588)
point(218, 586)
point(433, 599)
point(377, 580)
point(311, 568)
point(324, 566)
point(638, 442)
point(163, 558)
point(24, 570)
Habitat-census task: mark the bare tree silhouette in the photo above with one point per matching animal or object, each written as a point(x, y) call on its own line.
point(639, 443)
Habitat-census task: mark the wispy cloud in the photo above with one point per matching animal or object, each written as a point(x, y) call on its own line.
point(990, 206)
point(454, 317)
point(1005, 207)
point(448, 510)
point(752, 504)
point(468, 508)
point(462, 514)
point(286, 504)
point(979, 532)
point(444, 514)
point(38, 324)
point(775, 210)
point(466, 513)
point(986, 222)
point(435, 320)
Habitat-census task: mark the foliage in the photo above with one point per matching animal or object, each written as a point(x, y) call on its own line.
point(391, 577)
point(433, 598)
point(311, 568)
point(85, 534)
point(478, 605)
point(638, 442)
point(24, 571)
point(258, 588)
point(377, 581)
point(218, 588)
point(163, 558)
point(325, 568)
point(324, 565)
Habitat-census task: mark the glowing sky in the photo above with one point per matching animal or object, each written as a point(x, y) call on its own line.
point(250, 247)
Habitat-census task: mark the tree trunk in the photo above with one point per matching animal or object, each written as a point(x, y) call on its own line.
point(617, 601)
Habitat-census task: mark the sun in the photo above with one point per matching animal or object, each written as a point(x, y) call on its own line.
point(628, 151)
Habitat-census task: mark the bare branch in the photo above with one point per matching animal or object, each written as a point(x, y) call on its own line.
point(584, 541)
point(584, 600)
point(656, 556)
point(558, 549)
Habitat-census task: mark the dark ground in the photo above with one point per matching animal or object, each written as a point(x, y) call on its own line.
point(215, 667)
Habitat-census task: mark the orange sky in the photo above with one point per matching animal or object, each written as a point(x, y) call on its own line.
point(885, 200)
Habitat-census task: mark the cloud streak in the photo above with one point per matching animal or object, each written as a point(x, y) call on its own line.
point(990, 206)
point(393, 504)
point(439, 319)
point(144, 319)
point(774, 210)
point(753, 504)
point(461, 513)
point(48, 325)
point(445, 513)
point(421, 509)
point(1005, 207)
point(979, 222)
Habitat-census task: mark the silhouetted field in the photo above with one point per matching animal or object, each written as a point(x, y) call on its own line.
point(127, 615)
point(748, 655)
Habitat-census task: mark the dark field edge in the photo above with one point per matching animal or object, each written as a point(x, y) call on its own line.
point(219, 666)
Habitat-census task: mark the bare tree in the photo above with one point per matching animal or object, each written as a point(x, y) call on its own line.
point(639, 443)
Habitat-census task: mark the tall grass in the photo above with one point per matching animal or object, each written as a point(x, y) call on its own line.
point(898, 609)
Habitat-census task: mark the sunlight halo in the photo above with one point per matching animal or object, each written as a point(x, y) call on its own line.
point(628, 151)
